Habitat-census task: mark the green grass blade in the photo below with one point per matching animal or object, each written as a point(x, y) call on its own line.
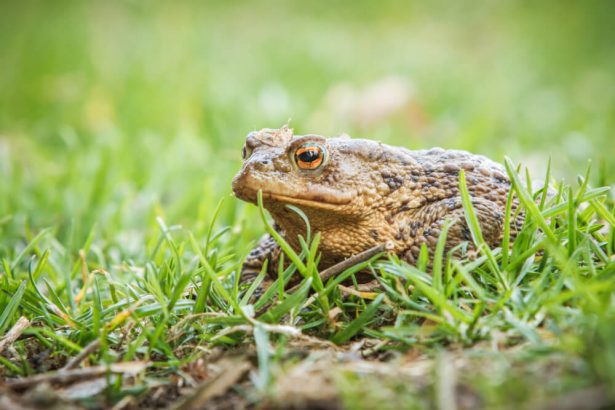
point(288, 250)
point(359, 323)
point(572, 223)
point(603, 212)
point(506, 234)
point(475, 230)
point(439, 256)
point(9, 311)
point(527, 200)
point(295, 300)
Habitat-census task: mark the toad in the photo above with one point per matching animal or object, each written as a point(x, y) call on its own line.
point(360, 193)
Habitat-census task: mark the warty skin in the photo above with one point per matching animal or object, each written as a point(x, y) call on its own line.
point(364, 193)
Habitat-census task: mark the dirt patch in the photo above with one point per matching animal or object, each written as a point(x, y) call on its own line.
point(311, 374)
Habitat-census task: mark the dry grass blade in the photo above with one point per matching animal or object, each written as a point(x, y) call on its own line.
point(13, 334)
point(68, 376)
point(76, 361)
point(446, 380)
point(87, 388)
point(232, 372)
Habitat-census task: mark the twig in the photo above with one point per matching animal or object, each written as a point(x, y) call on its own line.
point(338, 268)
point(371, 350)
point(289, 331)
point(446, 382)
point(125, 402)
point(67, 376)
point(76, 361)
point(233, 372)
point(330, 272)
point(16, 331)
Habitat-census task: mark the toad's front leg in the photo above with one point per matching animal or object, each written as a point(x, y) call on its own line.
point(267, 249)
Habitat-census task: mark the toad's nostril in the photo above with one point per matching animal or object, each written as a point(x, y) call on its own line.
point(263, 164)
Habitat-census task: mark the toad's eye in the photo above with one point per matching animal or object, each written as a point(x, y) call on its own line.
point(246, 152)
point(309, 156)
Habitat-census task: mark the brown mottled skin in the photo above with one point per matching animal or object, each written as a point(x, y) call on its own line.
point(366, 193)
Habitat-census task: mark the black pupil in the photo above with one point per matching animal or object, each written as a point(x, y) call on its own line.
point(309, 155)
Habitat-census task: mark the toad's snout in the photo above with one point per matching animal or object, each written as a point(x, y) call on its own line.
point(239, 184)
point(252, 177)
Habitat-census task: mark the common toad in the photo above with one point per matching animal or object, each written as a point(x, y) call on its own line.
point(360, 193)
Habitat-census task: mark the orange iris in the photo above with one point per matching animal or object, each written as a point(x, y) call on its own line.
point(309, 157)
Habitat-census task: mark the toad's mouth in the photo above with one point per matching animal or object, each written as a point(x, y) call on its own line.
point(314, 200)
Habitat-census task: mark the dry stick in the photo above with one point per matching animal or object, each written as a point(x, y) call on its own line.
point(76, 361)
point(328, 273)
point(340, 267)
point(16, 331)
point(67, 376)
point(233, 372)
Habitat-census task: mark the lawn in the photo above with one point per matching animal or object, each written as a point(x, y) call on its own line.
point(121, 128)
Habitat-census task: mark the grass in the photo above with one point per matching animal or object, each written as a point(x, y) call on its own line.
point(550, 300)
point(117, 147)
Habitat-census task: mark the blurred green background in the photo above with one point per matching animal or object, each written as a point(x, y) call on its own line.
point(112, 113)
